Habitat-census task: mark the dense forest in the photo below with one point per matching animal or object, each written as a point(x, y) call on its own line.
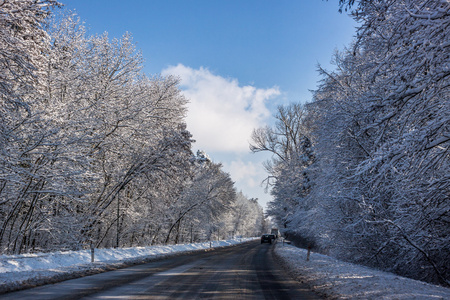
point(95, 152)
point(362, 171)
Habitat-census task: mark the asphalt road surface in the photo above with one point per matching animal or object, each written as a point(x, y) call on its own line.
point(246, 271)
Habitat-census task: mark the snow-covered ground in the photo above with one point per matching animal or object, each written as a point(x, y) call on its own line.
point(340, 280)
point(327, 276)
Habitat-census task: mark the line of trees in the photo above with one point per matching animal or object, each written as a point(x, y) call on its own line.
point(362, 172)
point(93, 151)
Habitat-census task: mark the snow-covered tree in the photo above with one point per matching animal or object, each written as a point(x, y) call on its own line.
point(206, 200)
point(22, 131)
point(399, 71)
point(379, 126)
point(101, 128)
point(292, 153)
point(247, 217)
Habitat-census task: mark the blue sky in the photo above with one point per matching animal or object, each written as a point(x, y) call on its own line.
point(237, 59)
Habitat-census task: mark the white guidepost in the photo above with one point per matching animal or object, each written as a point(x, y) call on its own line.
point(92, 253)
point(309, 253)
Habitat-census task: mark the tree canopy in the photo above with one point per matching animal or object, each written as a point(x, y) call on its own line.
point(369, 181)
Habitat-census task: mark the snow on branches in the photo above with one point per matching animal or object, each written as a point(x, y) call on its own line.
point(379, 125)
point(92, 150)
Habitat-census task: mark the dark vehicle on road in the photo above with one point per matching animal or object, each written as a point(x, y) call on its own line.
point(267, 238)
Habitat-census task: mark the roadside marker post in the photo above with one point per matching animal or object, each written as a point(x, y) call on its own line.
point(309, 253)
point(92, 253)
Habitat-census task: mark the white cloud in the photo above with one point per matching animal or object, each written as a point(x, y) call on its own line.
point(221, 114)
point(244, 172)
point(248, 173)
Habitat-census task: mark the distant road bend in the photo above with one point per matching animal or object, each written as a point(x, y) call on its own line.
point(245, 271)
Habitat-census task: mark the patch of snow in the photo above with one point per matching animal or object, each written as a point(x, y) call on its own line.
point(336, 279)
